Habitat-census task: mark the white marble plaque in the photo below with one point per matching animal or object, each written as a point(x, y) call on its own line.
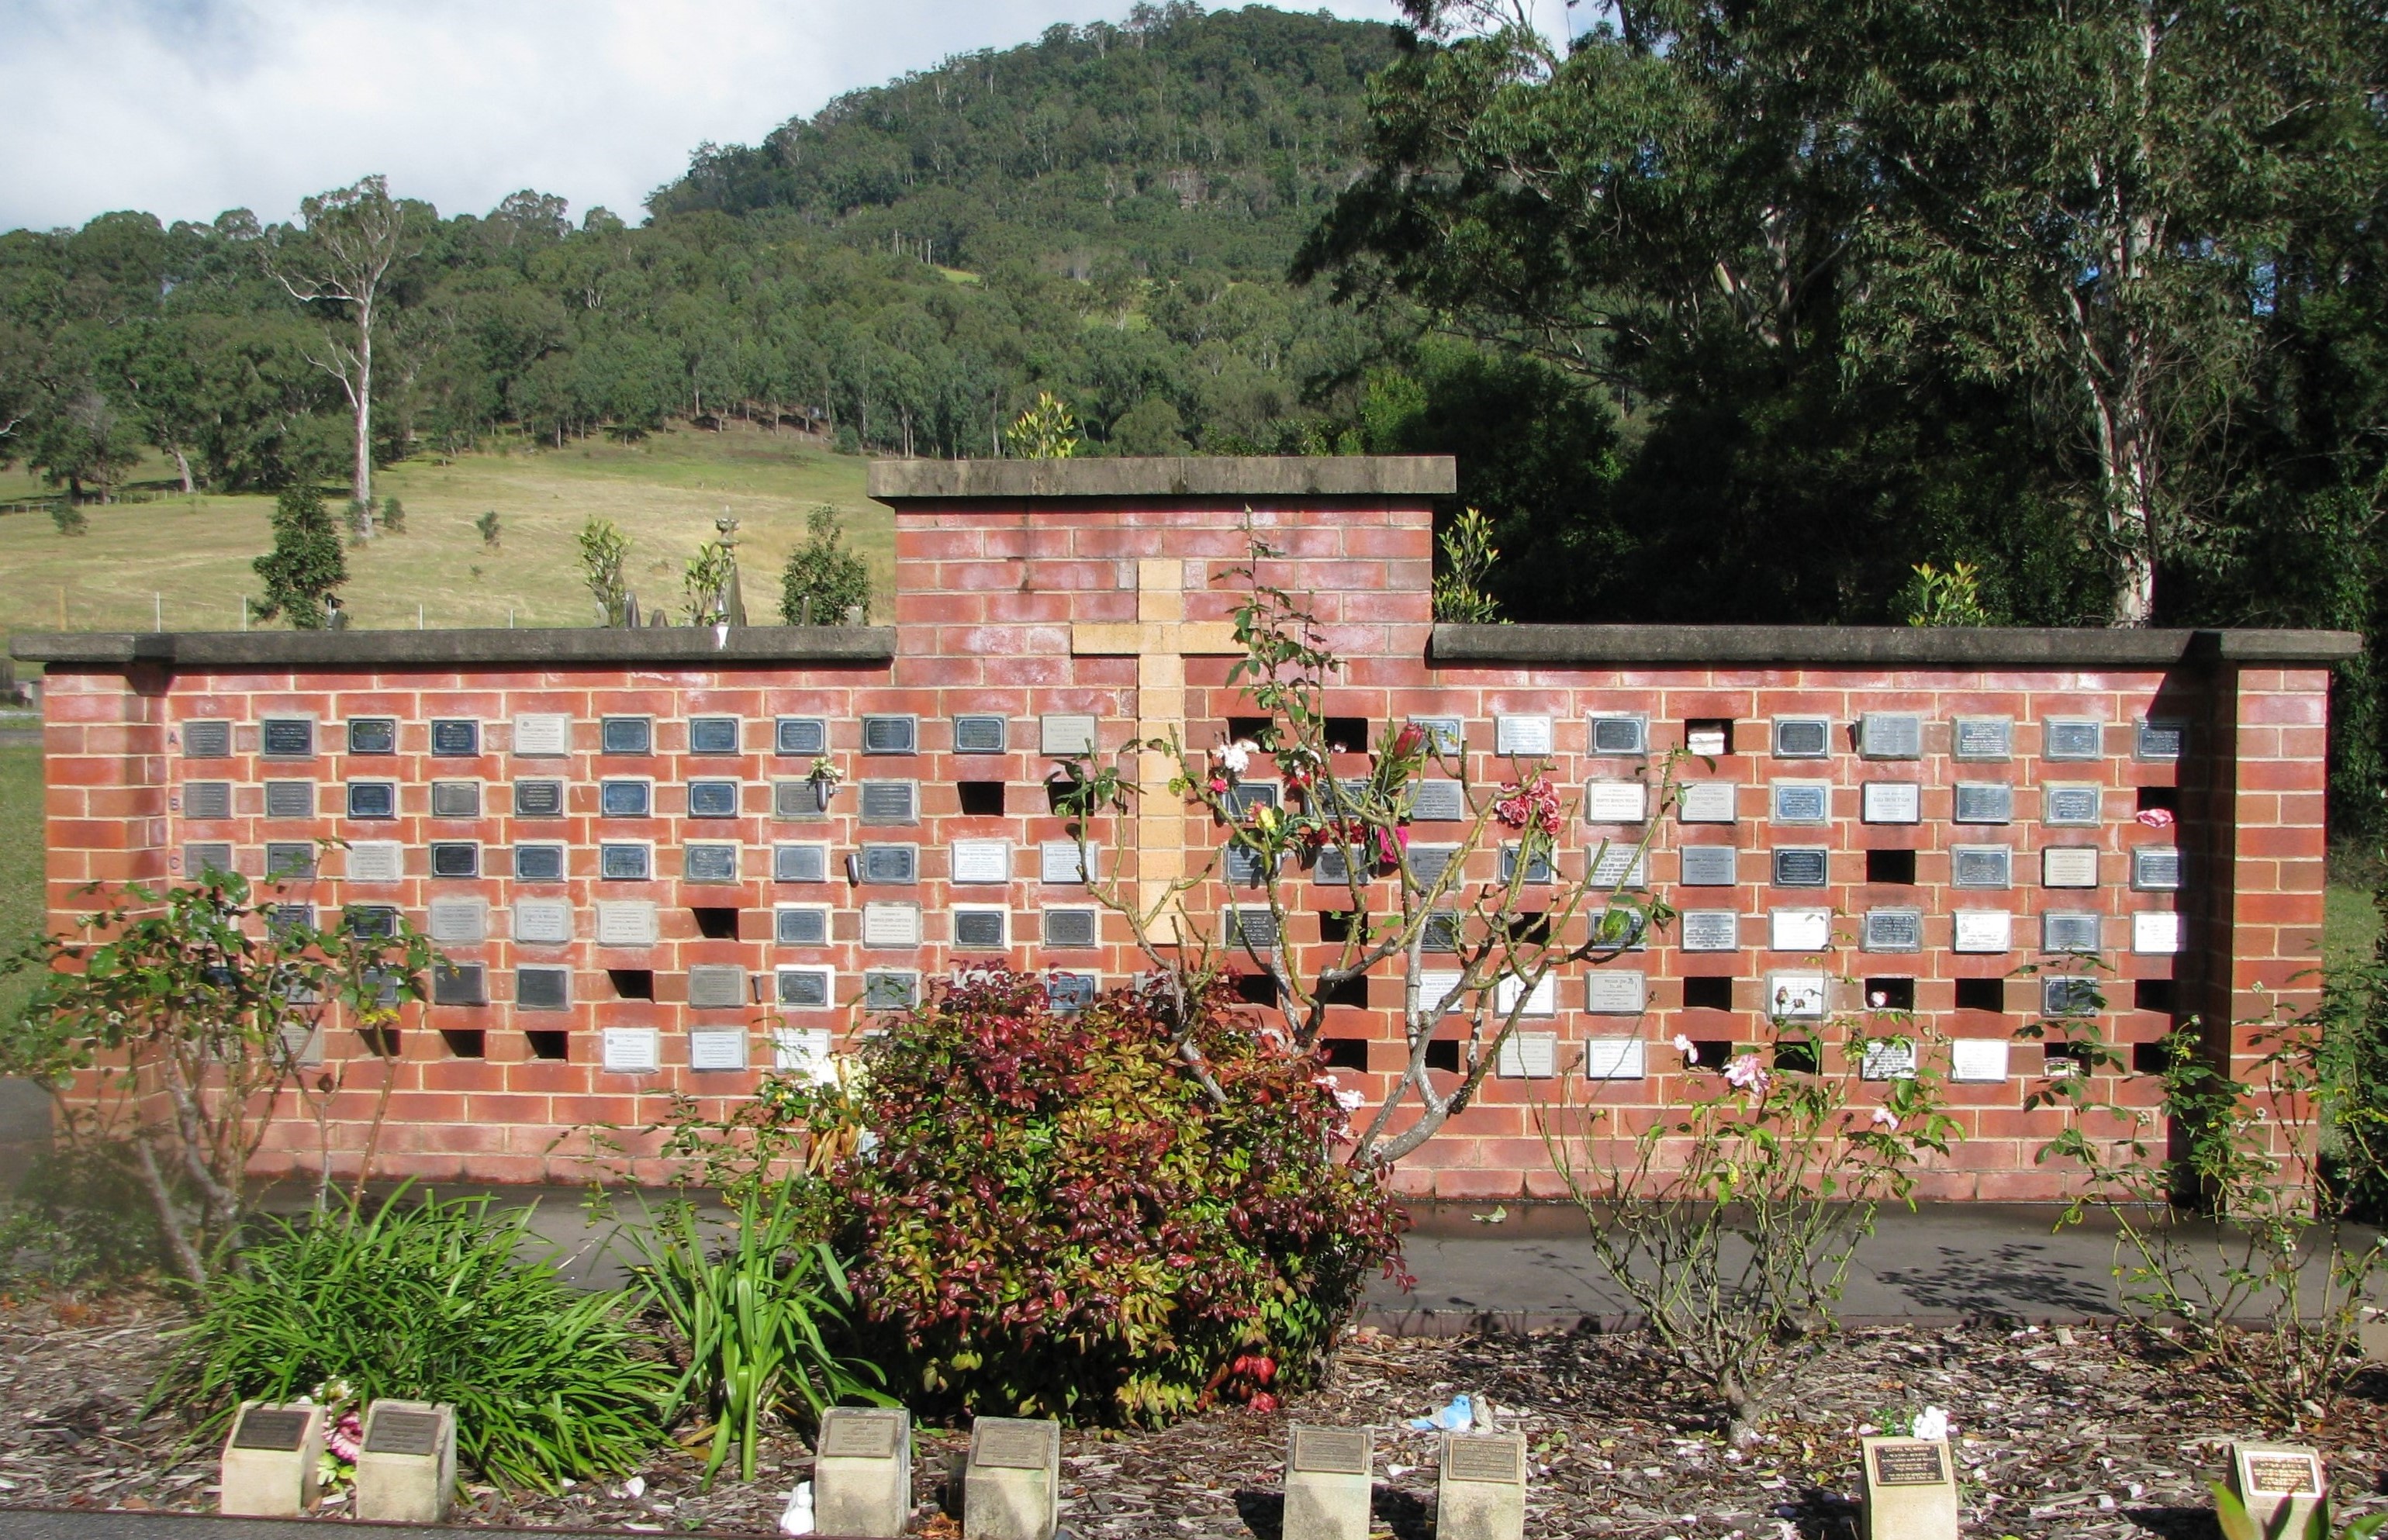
point(458, 922)
point(1616, 992)
point(1435, 985)
point(1615, 1059)
point(542, 735)
point(1984, 930)
point(1521, 734)
point(2155, 932)
point(631, 1050)
point(2068, 866)
point(983, 861)
point(716, 1048)
point(1888, 1059)
point(1616, 802)
point(1529, 1057)
point(1059, 861)
point(1544, 1001)
point(1060, 735)
point(626, 922)
point(1799, 929)
point(802, 1053)
point(1711, 930)
point(1978, 1061)
point(1708, 803)
point(1798, 996)
point(377, 861)
point(891, 925)
point(1891, 803)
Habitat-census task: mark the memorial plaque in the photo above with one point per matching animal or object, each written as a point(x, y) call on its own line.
point(1331, 1451)
point(626, 862)
point(1908, 1463)
point(1251, 794)
point(862, 1475)
point(2071, 803)
point(539, 799)
point(1978, 1061)
point(455, 799)
point(2065, 931)
point(1239, 867)
point(626, 922)
point(1538, 869)
point(1890, 734)
point(1985, 802)
point(2068, 866)
point(1059, 862)
point(713, 799)
point(290, 798)
point(1802, 801)
point(1070, 930)
point(1330, 866)
point(1799, 929)
point(2281, 1487)
point(1441, 933)
point(981, 861)
point(1618, 735)
point(891, 735)
point(806, 989)
point(377, 861)
point(630, 1049)
point(800, 925)
point(2159, 738)
point(200, 859)
point(455, 738)
point(1708, 803)
point(1521, 736)
point(889, 864)
point(710, 863)
point(271, 1461)
point(1070, 992)
point(455, 858)
point(1448, 735)
point(890, 989)
point(1484, 1457)
point(1011, 1479)
point(1618, 992)
point(542, 735)
point(891, 925)
point(713, 735)
point(803, 801)
point(2060, 996)
point(1803, 737)
point(625, 735)
point(543, 921)
point(457, 922)
point(540, 863)
point(1428, 862)
point(716, 1048)
point(1893, 930)
point(1888, 1059)
point(279, 1429)
point(1801, 867)
point(2155, 932)
point(1615, 1059)
point(1620, 864)
point(207, 741)
point(982, 929)
point(625, 799)
point(890, 802)
point(1528, 1056)
point(542, 988)
point(800, 863)
point(1981, 866)
point(1982, 737)
point(1711, 930)
point(1616, 802)
point(1439, 991)
point(203, 800)
point(1065, 734)
point(1709, 865)
point(406, 1467)
point(978, 735)
point(374, 799)
point(1433, 802)
point(1984, 930)
point(1482, 1493)
point(1910, 1489)
point(287, 738)
point(804, 1053)
point(458, 984)
point(1891, 803)
point(1251, 928)
point(2073, 737)
point(2155, 868)
point(1798, 996)
point(802, 736)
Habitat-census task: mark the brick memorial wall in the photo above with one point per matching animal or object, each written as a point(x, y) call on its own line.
point(614, 834)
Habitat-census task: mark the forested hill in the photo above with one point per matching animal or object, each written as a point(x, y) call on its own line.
point(1174, 143)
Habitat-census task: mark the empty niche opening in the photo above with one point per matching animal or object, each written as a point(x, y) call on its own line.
point(2151, 994)
point(1256, 989)
point(714, 925)
point(1709, 736)
point(1345, 1052)
point(1891, 866)
point(2150, 1058)
point(1798, 1056)
point(548, 1044)
point(1348, 735)
point(2166, 797)
point(1982, 994)
point(631, 983)
point(465, 1043)
point(1712, 993)
point(1346, 991)
point(1443, 1054)
point(381, 1041)
point(1056, 790)
point(1246, 729)
point(2069, 1058)
point(1710, 1052)
point(1890, 993)
point(1334, 925)
point(981, 799)
point(1530, 929)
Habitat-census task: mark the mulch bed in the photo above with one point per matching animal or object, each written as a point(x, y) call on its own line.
point(2086, 1432)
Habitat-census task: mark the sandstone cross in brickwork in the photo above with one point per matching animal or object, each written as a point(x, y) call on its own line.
point(1161, 638)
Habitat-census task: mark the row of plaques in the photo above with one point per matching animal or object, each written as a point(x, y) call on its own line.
point(2078, 804)
point(545, 734)
point(1873, 736)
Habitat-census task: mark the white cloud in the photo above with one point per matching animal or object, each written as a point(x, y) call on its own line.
point(187, 107)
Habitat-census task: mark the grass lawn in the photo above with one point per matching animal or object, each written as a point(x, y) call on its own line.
point(20, 857)
point(190, 556)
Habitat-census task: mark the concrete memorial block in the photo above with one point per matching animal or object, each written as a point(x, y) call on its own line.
point(712, 861)
point(406, 1467)
point(2281, 1487)
point(1542, 1000)
point(1712, 737)
point(712, 799)
point(1013, 1478)
point(270, 1459)
point(1481, 1492)
point(543, 921)
point(459, 921)
point(377, 861)
point(1708, 802)
point(455, 799)
point(1891, 803)
point(886, 863)
point(807, 988)
point(373, 735)
point(1327, 1475)
point(716, 986)
point(862, 1471)
point(542, 988)
point(626, 922)
point(1910, 1489)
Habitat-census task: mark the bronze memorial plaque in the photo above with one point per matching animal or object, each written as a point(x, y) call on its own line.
point(1331, 1451)
point(2284, 1475)
point(280, 1430)
point(1010, 1445)
point(1909, 1465)
point(1484, 1459)
point(861, 1438)
point(403, 1432)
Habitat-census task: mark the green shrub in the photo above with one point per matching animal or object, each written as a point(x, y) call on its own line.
point(823, 579)
point(436, 1302)
point(1058, 1219)
point(305, 564)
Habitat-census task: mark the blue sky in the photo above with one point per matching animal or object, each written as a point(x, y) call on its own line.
point(186, 107)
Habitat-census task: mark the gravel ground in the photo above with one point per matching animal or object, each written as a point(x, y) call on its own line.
point(2081, 1432)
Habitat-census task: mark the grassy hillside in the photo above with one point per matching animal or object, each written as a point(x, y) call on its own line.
point(20, 854)
point(192, 555)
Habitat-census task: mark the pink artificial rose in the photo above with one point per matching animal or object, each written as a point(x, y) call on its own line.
point(346, 1437)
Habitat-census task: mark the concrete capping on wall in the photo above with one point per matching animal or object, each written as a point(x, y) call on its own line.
point(661, 646)
point(1881, 646)
point(1169, 476)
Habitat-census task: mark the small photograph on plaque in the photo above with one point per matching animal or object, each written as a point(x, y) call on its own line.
point(1799, 929)
point(1521, 736)
point(2071, 803)
point(1801, 867)
point(1982, 739)
point(1802, 801)
point(1984, 930)
point(1893, 930)
point(2155, 932)
point(1708, 803)
point(1708, 866)
point(2068, 866)
point(1984, 802)
point(1981, 866)
point(1711, 930)
point(1891, 803)
point(1798, 996)
point(1615, 1059)
point(631, 1050)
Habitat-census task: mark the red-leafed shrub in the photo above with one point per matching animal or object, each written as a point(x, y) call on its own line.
point(1057, 1219)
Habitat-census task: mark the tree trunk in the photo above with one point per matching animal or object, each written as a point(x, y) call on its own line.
point(362, 482)
point(182, 464)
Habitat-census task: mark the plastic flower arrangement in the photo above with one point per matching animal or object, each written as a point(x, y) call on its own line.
point(1531, 804)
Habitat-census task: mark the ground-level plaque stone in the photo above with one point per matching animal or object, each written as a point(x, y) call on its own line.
point(1327, 1484)
point(1482, 1494)
point(406, 1469)
point(1910, 1489)
point(863, 1474)
point(270, 1460)
point(2280, 1485)
point(1013, 1478)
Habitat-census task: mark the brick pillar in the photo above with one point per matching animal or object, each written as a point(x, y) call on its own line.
point(105, 751)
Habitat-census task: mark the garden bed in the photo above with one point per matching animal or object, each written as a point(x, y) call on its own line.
point(2094, 1436)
